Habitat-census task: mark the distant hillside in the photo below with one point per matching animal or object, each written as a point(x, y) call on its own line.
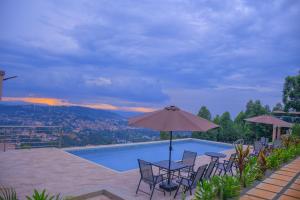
point(81, 125)
point(51, 115)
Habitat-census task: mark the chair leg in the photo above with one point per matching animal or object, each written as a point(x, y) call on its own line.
point(152, 191)
point(215, 171)
point(220, 172)
point(138, 186)
point(177, 189)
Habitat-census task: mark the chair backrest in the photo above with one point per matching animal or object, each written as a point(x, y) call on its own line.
point(146, 170)
point(237, 142)
point(257, 146)
point(266, 141)
point(210, 169)
point(189, 158)
point(277, 143)
point(199, 174)
point(230, 161)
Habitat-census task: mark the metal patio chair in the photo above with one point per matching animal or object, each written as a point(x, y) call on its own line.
point(188, 159)
point(277, 144)
point(227, 165)
point(258, 146)
point(191, 183)
point(210, 169)
point(148, 177)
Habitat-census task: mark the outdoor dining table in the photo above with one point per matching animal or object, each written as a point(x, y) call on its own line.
point(215, 155)
point(175, 166)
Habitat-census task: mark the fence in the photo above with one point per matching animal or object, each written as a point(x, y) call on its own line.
point(21, 137)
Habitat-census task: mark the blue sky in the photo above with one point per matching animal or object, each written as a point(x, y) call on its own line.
point(148, 54)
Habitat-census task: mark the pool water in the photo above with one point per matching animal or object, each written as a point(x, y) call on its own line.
point(123, 158)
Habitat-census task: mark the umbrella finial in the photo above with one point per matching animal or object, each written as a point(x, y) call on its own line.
point(172, 108)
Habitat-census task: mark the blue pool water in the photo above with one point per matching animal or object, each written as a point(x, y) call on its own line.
point(123, 158)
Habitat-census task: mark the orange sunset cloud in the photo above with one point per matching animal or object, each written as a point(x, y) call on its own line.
point(60, 102)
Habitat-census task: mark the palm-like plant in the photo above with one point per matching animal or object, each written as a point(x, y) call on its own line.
point(262, 161)
point(241, 158)
point(8, 193)
point(43, 196)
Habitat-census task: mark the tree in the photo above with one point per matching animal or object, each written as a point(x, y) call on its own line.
point(278, 107)
point(256, 108)
point(164, 135)
point(240, 118)
point(291, 93)
point(204, 113)
point(209, 135)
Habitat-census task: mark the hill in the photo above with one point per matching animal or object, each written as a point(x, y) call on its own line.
point(81, 125)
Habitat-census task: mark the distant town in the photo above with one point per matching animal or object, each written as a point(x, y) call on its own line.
point(66, 126)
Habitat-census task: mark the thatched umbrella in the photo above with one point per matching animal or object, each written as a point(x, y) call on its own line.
point(172, 119)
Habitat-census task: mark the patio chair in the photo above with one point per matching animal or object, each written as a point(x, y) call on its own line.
point(257, 148)
point(188, 159)
point(210, 169)
point(238, 142)
point(277, 144)
point(227, 165)
point(191, 183)
point(148, 177)
point(264, 141)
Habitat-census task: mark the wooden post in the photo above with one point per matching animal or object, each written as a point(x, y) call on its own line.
point(274, 133)
point(2, 73)
point(278, 132)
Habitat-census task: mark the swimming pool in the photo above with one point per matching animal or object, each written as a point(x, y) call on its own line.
point(124, 157)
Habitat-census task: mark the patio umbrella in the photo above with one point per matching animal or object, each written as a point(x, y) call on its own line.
point(172, 119)
point(268, 119)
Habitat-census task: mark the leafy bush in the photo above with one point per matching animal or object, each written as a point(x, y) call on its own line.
point(251, 172)
point(296, 130)
point(219, 187)
point(273, 160)
point(43, 196)
point(205, 191)
point(8, 193)
point(231, 187)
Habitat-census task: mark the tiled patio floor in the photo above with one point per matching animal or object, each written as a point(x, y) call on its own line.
point(60, 172)
point(284, 184)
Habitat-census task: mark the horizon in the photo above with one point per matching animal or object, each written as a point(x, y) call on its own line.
point(143, 56)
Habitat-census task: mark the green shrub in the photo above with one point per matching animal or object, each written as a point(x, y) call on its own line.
point(219, 187)
point(273, 161)
point(231, 187)
point(251, 172)
point(43, 196)
point(296, 130)
point(205, 191)
point(8, 193)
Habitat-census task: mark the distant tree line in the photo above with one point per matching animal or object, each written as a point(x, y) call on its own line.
point(232, 129)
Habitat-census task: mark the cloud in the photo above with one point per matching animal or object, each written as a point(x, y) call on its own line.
point(99, 81)
point(245, 87)
point(60, 102)
point(131, 53)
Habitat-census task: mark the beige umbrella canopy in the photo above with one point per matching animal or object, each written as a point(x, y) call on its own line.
point(172, 119)
point(271, 120)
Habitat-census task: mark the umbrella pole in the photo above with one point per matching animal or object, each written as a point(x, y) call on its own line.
point(170, 157)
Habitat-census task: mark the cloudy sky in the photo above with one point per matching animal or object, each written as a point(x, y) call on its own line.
point(142, 55)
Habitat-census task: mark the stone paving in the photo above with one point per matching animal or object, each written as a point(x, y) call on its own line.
point(283, 184)
point(60, 172)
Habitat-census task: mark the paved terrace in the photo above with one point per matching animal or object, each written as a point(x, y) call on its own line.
point(60, 172)
point(284, 184)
